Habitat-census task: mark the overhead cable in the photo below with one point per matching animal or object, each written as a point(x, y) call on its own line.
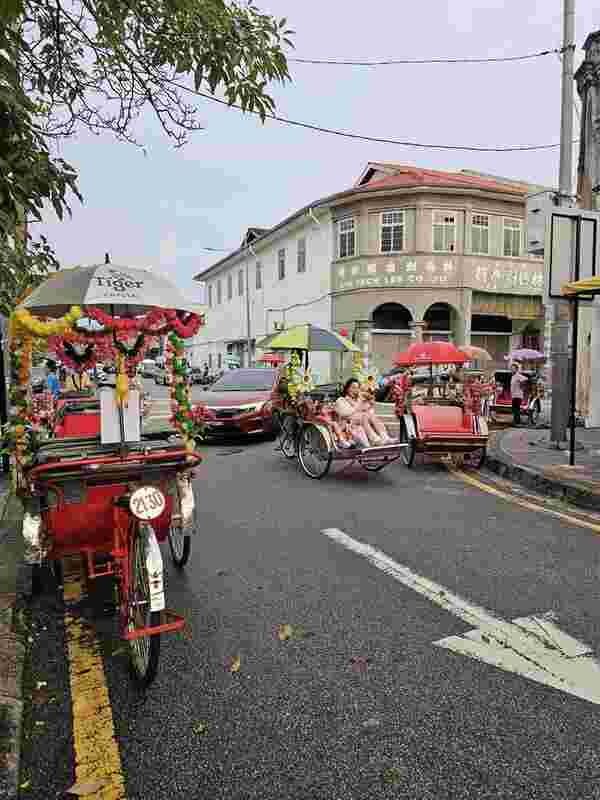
point(377, 139)
point(415, 61)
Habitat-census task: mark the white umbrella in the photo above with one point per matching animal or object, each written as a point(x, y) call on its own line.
point(124, 291)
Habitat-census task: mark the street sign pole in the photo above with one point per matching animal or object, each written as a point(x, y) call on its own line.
point(559, 318)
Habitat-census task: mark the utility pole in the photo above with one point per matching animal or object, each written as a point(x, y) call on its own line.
point(560, 309)
point(248, 330)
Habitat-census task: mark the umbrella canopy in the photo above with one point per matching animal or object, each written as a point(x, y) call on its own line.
point(430, 353)
point(475, 353)
point(584, 286)
point(310, 338)
point(125, 291)
point(524, 354)
point(272, 358)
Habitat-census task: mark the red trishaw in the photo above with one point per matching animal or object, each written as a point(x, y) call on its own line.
point(436, 428)
point(109, 494)
point(307, 415)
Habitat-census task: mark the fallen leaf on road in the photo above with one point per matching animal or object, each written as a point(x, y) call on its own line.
point(360, 663)
point(40, 724)
point(25, 785)
point(285, 632)
point(88, 787)
point(200, 728)
point(40, 684)
point(392, 775)
point(234, 664)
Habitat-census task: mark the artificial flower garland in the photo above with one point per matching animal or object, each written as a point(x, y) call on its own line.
point(62, 338)
point(188, 420)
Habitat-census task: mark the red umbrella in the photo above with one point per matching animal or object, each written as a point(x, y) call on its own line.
point(430, 353)
point(272, 358)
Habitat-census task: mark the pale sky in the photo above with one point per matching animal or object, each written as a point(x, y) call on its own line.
point(159, 210)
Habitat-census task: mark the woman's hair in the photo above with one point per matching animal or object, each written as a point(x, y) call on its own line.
point(347, 385)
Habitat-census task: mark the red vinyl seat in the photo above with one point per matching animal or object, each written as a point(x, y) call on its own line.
point(441, 419)
point(85, 424)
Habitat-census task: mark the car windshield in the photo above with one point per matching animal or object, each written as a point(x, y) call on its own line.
point(245, 380)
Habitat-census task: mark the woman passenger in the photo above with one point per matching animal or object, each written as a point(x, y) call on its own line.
point(367, 429)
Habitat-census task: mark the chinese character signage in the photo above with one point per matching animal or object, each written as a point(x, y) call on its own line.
point(488, 275)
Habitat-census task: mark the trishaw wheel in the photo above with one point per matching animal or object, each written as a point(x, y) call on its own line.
point(180, 545)
point(407, 453)
point(145, 651)
point(287, 437)
point(314, 452)
point(476, 459)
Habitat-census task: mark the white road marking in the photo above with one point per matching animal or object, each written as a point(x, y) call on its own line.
point(532, 647)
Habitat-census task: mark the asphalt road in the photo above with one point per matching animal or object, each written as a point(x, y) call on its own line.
point(358, 702)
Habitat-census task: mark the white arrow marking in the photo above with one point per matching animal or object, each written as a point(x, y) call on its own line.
point(532, 647)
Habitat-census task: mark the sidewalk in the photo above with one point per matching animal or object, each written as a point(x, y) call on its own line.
point(12, 649)
point(525, 455)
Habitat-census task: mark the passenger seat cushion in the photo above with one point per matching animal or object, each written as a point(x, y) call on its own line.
point(441, 419)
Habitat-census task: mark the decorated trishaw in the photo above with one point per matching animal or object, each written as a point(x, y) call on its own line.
point(308, 419)
point(533, 388)
point(108, 493)
point(440, 428)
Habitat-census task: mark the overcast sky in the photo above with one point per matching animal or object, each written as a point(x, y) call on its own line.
point(162, 209)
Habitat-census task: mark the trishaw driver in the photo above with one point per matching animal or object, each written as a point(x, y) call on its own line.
point(516, 392)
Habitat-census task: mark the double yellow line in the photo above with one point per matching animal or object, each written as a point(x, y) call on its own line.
point(580, 521)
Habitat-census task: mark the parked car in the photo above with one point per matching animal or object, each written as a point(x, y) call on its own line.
point(161, 376)
point(241, 402)
point(38, 379)
point(147, 368)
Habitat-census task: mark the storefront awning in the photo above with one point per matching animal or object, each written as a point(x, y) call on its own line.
point(511, 306)
point(585, 286)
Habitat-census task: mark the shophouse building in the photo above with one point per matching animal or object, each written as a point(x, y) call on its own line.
point(405, 254)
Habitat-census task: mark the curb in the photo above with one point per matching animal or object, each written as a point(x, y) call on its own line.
point(500, 462)
point(12, 647)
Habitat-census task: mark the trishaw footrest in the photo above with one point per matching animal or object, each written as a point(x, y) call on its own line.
point(170, 621)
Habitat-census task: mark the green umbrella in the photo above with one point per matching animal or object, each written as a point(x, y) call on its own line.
point(310, 338)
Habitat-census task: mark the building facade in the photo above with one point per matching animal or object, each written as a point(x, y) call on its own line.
point(405, 254)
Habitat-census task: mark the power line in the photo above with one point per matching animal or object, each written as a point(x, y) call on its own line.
point(377, 139)
point(414, 61)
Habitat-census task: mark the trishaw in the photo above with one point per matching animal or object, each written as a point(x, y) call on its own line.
point(108, 494)
point(307, 415)
point(432, 429)
point(531, 404)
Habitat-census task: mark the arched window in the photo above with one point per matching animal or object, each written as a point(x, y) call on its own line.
point(392, 317)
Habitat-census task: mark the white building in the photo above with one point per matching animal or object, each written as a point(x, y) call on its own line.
point(287, 270)
point(404, 253)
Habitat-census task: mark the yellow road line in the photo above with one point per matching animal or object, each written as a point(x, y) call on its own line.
point(484, 487)
point(97, 757)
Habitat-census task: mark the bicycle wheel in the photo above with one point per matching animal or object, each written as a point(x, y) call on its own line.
point(287, 437)
point(144, 651)
point(314, 453)
point(408, 453)
point(476, 459)
point(180, 545)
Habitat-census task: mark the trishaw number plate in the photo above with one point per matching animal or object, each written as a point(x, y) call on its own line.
point(147, 502)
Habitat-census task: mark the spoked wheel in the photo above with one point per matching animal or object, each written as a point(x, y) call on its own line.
point(476, 459)
point(407, 453)
point(144, 652)
point(180, 544)
point(314, 453)
point(287, 437)
point(534, 415)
